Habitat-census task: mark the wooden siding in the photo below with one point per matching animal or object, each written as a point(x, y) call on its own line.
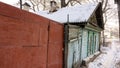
point(74, 48)
point(84, 44)
point(55, 45)
point(74, 54)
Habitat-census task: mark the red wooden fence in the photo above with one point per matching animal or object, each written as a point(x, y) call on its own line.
point(28, 40)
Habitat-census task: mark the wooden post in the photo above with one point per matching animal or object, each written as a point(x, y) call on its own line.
point(66, 34)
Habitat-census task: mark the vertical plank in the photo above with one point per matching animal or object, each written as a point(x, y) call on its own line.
point(55, 47)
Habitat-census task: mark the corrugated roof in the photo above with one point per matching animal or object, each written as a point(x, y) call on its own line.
point(77, 13)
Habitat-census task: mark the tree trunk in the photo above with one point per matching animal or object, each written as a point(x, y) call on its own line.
point(63, 4)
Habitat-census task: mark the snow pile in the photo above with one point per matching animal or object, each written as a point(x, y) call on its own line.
point(77, 13)
point(100, 61)
point(110, 58)
point(116, 61)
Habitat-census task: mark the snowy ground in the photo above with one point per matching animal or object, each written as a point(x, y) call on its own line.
point(110, 57)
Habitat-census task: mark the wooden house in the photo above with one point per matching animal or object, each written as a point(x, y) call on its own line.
point(84, 36)
point(82, 28)
point(62, 39)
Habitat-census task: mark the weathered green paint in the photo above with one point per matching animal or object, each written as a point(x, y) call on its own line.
point(84, 44)
point(81, 39)
point(92, 42)
point(70, 56)
point(74, 49)
point(73, 54)
point(88, 44)
point(95, 42)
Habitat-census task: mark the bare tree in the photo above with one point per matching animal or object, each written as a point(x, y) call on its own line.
point(72, 2)
point(37, 5)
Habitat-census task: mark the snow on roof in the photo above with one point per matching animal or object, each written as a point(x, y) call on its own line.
point(77, 13)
